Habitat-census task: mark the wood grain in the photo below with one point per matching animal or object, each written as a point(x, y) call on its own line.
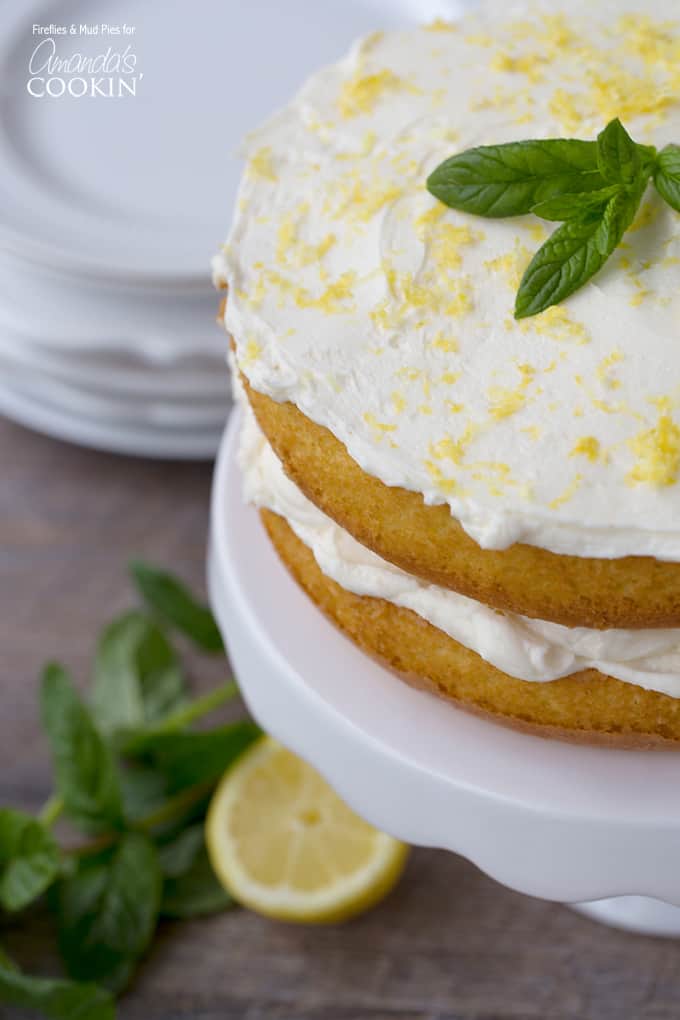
point(449, 944)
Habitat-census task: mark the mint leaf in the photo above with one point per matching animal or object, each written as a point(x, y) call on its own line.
point(190, 888)
point(86, 775)
point(572, 206)
point(144, 788)
point(107, 911)
point(56, 999)
point(137, 677)
point(177, 855)
point(667, 175)
point(29, 859)
point(187, 759)
point(648, 157)
point(195, 893)
point(618, 156)
point(574, 254)
point(6, 962)
point(509, 180)
point(173, 602)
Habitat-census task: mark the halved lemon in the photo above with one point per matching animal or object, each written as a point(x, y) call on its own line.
point(284, 844)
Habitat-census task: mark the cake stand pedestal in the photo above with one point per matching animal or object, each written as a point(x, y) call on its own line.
point(550, 819)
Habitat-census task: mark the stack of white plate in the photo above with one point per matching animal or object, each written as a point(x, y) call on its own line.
point(112, 203)
point(133, 371)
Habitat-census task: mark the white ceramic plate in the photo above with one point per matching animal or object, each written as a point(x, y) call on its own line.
point(121, 376)
point(126, 410)
point(165, 443)
point(140, 188)
point(67, 315)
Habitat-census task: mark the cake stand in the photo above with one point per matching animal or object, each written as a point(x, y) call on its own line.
point(550, 819)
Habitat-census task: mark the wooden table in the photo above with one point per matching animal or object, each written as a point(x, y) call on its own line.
point(449, 944)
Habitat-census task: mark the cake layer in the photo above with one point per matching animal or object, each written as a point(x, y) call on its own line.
point(386, 317)
point(530, 650)
point(586, 707)
point(634, 592)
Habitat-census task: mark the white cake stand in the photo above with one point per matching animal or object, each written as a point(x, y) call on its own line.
point(546, 818)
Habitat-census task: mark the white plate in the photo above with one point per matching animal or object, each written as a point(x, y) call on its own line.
point(131, 409)
point(137, 441)
point(79, 315)
point(120, 376)
point(140, 188)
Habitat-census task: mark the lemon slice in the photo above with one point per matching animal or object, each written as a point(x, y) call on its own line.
point(285, 845)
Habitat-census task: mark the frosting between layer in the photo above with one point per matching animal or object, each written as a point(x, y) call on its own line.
point(387, 317)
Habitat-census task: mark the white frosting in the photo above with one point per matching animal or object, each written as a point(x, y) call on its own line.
point(528, 649)
point(350, 295)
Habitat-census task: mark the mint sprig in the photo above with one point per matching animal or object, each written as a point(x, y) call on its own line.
point(134, 779)
point(593, 188)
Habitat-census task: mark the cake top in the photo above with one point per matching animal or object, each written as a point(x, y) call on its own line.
point(388, 317)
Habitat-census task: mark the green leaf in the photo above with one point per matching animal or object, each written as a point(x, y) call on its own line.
point(118, 979)
point(569, 207)
point(54, 998)
point(134, 741)
point(667, 175)
point(196, 892)
point(618, 156)
point(178, 854)
point(509, 180)
point(29, 859)
point(137, 677)
point(191, 888)
point(573, 254)
point(86, 775)
point(168, 597)
point(107, 911)
point(648, 157)
point(144, 788)
point(6, 961)
point(188, 759)
point(147, 792)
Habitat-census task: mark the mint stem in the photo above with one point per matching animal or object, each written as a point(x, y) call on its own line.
point(183, 717)
point(51, 810)
point(175, 806)
point(197, 708)
point(172, 807)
